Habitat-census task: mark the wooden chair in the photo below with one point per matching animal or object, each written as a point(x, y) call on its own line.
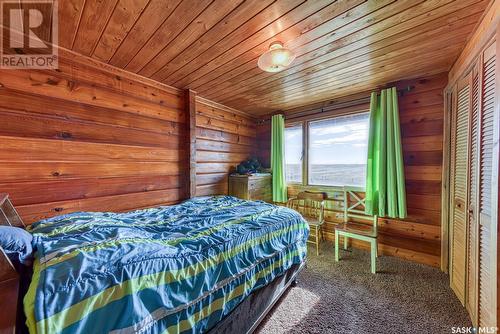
point(311, 205)
point(357, 230)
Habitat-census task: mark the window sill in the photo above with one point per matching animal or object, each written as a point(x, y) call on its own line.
point(327, 187)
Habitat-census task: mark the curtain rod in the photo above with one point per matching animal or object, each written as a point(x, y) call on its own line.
point(340, 105)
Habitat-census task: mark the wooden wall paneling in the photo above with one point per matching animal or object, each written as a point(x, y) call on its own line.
point(48, 127)
point(417, 238)
point(224, 138)
point(90, 70)
point(66, 169)
point(422, 128)
point(93, 137)
point(264, 143)
point(191, 125)
point(62, 153)
point(16, 148)
point(63, 110)
point(123, 202)
point(52, 85)
point(42, 191)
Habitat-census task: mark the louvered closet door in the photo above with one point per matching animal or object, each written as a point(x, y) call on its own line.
point(472, 223)
point(487, 197)
point(458, 272)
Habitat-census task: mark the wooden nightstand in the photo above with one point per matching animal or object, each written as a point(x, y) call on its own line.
point(251, 187)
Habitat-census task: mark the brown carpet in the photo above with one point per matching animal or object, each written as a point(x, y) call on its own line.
point(344, 297)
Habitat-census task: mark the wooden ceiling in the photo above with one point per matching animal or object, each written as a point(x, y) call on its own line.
point(212, 46)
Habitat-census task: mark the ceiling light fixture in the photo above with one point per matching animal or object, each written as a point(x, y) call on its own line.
point(276, 59)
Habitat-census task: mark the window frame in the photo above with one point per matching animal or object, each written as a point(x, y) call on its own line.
point(305, 148)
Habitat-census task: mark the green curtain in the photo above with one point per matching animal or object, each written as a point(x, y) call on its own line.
point(278, 158)
point(385, 180)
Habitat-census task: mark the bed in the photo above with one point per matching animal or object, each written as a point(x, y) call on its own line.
point(214, 263)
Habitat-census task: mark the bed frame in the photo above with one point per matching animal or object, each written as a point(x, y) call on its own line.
point(245, 318)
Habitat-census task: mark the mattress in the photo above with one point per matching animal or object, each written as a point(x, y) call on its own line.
point(172, 269)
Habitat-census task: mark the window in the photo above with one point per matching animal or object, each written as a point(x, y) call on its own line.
point(293, 154)
point(338, 151)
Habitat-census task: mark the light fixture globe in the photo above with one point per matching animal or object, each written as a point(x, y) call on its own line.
point(276, 59)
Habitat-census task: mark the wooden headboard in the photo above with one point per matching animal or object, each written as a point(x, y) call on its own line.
point(8, 214)
point(9, 278)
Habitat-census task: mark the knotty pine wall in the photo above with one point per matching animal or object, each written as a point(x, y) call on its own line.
point(90, 137)
point(224, 138)
point(417, 238)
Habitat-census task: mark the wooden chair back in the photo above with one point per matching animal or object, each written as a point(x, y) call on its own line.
point(8, 217)
point(9, 278)
point(309, 204)
point(8, 214)
point(354, 208)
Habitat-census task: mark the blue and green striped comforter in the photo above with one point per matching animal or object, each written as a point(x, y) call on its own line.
point(172, 269)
